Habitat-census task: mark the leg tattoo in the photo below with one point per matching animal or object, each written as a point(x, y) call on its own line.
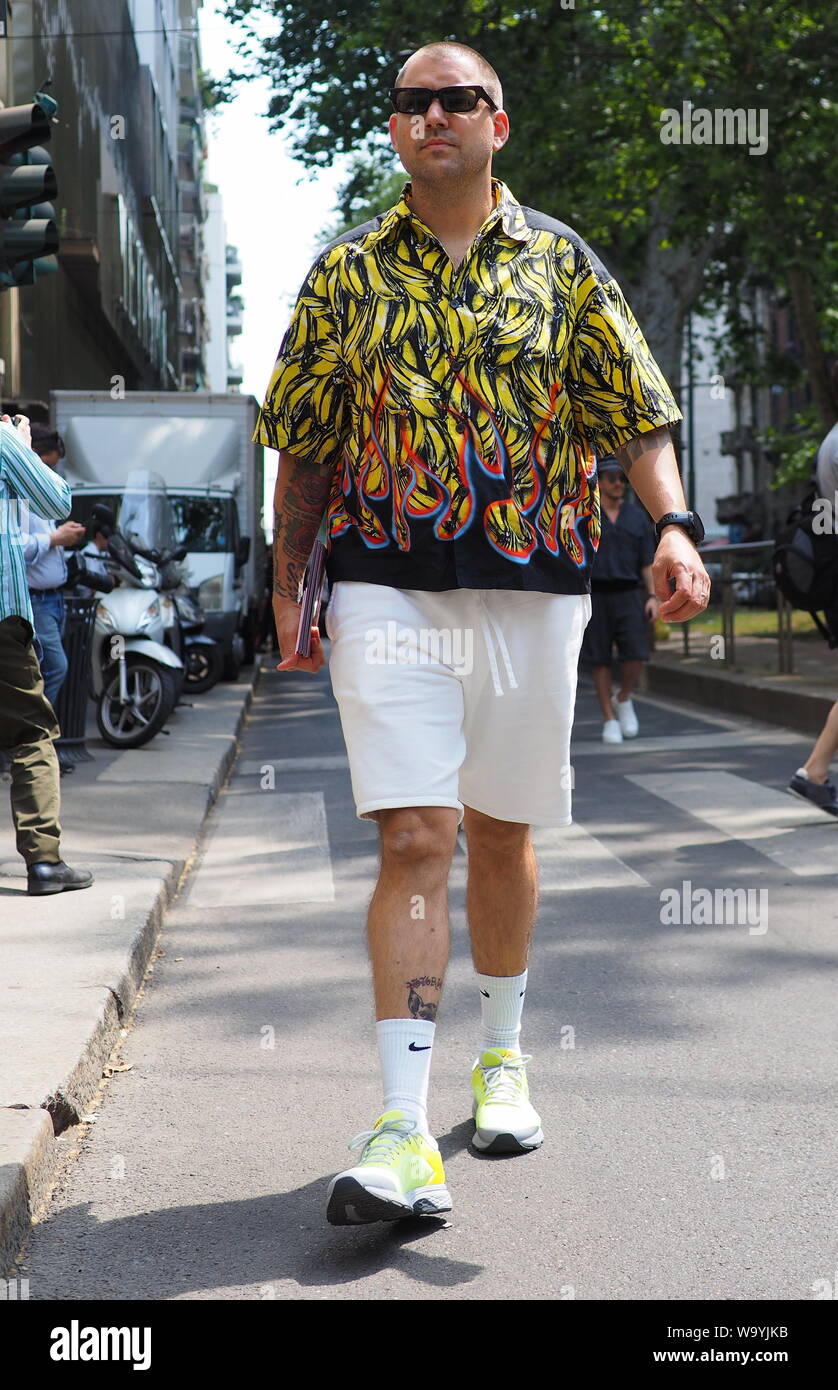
point(417, 1006)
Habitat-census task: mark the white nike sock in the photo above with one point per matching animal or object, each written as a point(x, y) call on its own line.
point(405, 1048)
point(501, 1006)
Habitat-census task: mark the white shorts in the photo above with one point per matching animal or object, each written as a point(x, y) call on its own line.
point(462, 697)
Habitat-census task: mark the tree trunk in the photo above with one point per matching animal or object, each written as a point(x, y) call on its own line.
point(806, 319)
point(666, 289)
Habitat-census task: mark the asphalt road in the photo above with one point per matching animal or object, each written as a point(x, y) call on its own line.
point(684, 1070)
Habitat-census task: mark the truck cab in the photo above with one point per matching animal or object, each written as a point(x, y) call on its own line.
point(202, 445)
point(207, 524)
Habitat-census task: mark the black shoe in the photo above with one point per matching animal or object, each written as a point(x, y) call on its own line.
point(64, 768)
point(821, 794)
point(54, 878)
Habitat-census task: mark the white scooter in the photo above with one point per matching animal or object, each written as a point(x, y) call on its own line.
point(136, 677)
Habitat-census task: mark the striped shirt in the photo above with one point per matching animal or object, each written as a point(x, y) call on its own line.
point(25, 481)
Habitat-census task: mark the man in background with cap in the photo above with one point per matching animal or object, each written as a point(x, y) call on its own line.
point(622, 601)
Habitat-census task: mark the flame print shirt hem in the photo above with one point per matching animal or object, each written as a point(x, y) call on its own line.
point(463, 406)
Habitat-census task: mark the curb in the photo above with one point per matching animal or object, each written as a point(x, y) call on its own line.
point(802, 710)
point(29, 1152)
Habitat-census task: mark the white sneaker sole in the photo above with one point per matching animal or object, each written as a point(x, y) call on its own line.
point(351, 1203)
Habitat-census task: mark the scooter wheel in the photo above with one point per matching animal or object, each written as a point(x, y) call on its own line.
point(153, 690)
point(204, 665)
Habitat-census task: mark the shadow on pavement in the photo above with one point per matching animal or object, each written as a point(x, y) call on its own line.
point(263, 1242)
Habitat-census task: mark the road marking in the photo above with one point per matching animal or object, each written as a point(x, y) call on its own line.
point(798, 837)
point(254, 767)
point(570, 858)
point(267, 849)
point(675, 743)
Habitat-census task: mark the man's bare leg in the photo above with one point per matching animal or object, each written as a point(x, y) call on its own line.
point(817, 763)
point(408, 928)
point(602, 686)
point(629, 676)
point(502, 893)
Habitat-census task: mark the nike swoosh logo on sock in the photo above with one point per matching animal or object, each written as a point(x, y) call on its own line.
point(413, 1048)
point(485, 994)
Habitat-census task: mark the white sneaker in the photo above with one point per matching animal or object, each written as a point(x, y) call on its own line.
point(628, 719)
point(504, 1119)
point(611, 732)
point(399, 1174)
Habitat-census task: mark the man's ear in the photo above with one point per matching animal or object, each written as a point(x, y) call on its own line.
point(391, 126)
point(501, 130)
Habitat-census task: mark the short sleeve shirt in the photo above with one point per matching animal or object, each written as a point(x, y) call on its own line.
point(462, 408)
point(626, 546)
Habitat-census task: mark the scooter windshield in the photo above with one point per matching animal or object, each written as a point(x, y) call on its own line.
point(145, 515)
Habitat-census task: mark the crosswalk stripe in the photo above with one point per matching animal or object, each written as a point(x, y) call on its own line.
point(571, 858)
point(675, 743)
point(798, 837)
point(255, 767)
point(267, 849)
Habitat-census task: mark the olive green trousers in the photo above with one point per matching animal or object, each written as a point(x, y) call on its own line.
point(27, 729)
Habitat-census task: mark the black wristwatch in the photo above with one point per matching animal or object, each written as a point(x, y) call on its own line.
point(689, 521)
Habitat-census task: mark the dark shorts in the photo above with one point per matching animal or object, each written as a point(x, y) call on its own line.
point(616, 618)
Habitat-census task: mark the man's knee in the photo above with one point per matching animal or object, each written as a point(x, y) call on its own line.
point(418, 835)
point(494, 836)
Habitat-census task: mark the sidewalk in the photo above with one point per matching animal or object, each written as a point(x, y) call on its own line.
point(751, 686)
point(73, 963)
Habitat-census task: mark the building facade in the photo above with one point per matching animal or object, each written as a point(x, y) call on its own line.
point(734, 470)
point(124, 309)
point(223, 303)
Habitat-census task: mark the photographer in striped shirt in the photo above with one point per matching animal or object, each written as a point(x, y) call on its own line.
point(27, 722)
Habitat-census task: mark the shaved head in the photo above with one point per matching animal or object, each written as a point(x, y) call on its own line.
point(483, 71)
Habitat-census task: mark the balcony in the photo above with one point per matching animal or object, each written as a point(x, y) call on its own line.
point(233, 267)
point(234, 318)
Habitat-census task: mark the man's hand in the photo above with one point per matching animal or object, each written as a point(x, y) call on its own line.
point(287, 619)
point(22, 428)
point(68, 533)
point(677, 558)
point(651, 608)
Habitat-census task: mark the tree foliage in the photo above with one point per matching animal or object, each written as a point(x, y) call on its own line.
point(679, 224)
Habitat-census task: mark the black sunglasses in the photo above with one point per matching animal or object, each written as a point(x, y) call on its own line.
point(415, 101)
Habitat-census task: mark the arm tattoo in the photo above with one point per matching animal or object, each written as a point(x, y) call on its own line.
point(417, 1006)
point(651, 442)
point(295, 528)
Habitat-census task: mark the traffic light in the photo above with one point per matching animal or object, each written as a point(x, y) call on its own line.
point(28, 232)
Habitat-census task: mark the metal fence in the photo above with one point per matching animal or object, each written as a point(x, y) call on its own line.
point(729, 579)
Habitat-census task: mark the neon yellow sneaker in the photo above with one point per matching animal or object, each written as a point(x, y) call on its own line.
point(399, 1174)
point(505, 1122)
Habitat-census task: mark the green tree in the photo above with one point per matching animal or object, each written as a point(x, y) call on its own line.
point(585, 89)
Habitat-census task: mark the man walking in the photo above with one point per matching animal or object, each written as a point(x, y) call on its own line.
point(449, 370)
point(811, 780)
point(623, 601)
point(27, 720)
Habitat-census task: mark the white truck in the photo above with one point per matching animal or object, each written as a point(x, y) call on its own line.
point(201, 445)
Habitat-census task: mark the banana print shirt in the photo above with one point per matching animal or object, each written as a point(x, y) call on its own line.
point(463, 407)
